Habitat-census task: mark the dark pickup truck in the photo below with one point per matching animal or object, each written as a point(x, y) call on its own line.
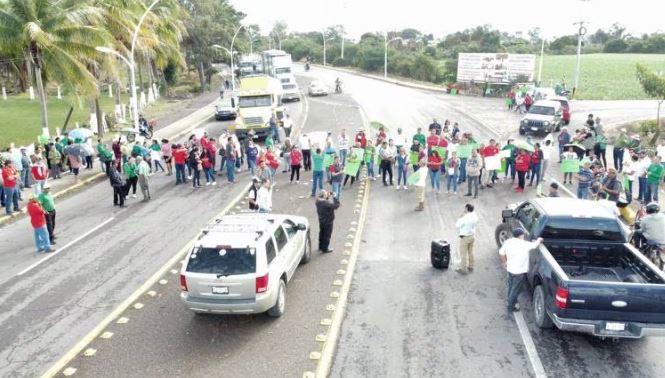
point(585, 277)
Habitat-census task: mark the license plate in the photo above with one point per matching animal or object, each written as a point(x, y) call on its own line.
point(534, 129)
point(220, 289)
point(611, 326)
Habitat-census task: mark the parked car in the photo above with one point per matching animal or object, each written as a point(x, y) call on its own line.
point(225, 112)
point(243, 263)
point(565, 107)
point(543, 117)
point(317, 88)
point(586, 277)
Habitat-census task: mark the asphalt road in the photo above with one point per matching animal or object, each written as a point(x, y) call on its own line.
point(407, 319)
point(105, 253)
point(165, 339)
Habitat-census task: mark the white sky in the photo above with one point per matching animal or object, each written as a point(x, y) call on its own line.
point(440, 17)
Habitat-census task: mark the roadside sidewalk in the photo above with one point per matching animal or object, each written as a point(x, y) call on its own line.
point(177, 125)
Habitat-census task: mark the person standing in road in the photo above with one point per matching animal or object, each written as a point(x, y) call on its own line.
point(435, 126)
point(387, 157)
point(252, 152)
point(25, 171)
point(55, 159)
point(584, 180)
point(47, 202)
point(563, 139)
point(547, 156)
point(129, 169)
point(253, 194)
point(105, 156)
point(317, 171)
point(306, 147)
point(473, 165)
point(296, 163)
point(39, 174)
point(10, 186)
point(336, 176)
point(343, 146)
point(654, 177)
point(420, 183)
point(521, 166)
point(38, 221)
point(231, 156)
point(452, 170)
point(118, 185)
point(73, 153)
point(143, 173)
point(402, 167)
point(401, 140)
point(264, 197)
point(535, 160)
point(514, 255)
point(466, 226)
point(619, 147)
point(325, 209)
point(420, 137)
point(434, 163)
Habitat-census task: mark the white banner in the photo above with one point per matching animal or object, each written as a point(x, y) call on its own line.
point(493, 162)
point(494, 67)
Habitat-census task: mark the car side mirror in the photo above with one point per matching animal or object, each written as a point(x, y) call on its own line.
point(507, 213)
point(302, 227)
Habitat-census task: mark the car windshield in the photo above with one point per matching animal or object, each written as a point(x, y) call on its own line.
point(288, 86)
point(254, 101)
point(543, 110)
point(226, 261)
point(283, 70)
point(583, 229)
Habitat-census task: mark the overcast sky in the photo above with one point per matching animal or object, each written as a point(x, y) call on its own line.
point(440, 17)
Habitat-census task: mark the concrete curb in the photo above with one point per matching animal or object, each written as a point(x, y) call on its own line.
point(9, 218)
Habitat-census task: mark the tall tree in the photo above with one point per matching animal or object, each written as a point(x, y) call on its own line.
point(654, 86)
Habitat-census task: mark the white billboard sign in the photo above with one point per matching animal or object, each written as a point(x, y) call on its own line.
point(494, 67)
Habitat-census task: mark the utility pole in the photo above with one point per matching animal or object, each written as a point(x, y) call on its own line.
point(540, 65)
point(581, 31)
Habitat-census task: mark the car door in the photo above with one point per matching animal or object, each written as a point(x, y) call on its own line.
point(283, 251)
point(526, 217)
point(295, 246)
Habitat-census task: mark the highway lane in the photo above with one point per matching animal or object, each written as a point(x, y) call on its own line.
point(165, 339)
point(46, 309)
point(407, 319)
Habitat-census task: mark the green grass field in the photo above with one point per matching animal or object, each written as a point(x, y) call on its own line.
point(602, 76)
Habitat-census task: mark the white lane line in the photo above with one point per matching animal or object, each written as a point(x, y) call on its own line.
point(50, 255)
point(537, 366)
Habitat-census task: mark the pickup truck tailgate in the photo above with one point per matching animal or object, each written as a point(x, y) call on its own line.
point(625, 302)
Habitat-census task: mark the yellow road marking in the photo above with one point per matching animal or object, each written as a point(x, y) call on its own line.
point(87, 339)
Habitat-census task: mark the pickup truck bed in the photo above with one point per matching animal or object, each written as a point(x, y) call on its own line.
point(600, 274)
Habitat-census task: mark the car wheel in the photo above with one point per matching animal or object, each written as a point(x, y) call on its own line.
point(539, 312)
point(502, 234)
point(278, 309)
point(522, 132)
point(307, 251)
point(558, 127)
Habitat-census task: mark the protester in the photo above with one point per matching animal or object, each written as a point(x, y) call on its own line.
point(554, 190)
point(129, 170)
point(584, 179)
point(197, 166)
point(654, 178)
point(231, 156)
point(317, 171)
point(620, 144)
point(387, 158)
point(515, 254)
point(296, 163)
point(535, 160)
point(306, 147)
point(105, 156)
point(452, 166)
point(491, 150)
point(252, 153)
point(55, 159)
point(336, 176)
point(568, 155)
point(420, 183)
point(252, 194)
point(25, 169)
point(564, 139)
point(343, 146)
point(39, 174)
point(434, 163)
point(47, 202)
point(325, 209)
point(73, 153)
point(522, 161)
point(466, 226)
point(118, 185)
point(38, 222)
point(473, 165)
point(10, 180)
point(370, 156)
point(156, 155)
point(435, 126)
point(143, 174)
point(264, 197)
point(402, 167)
point(510, 160)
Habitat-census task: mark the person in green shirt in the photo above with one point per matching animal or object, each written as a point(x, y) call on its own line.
point(370, 157)
point(105, 156)
point(600, 147)
point(420, 137)
point(317, 171)
point(510, 160)
point(654, 177)
point(619, 147)
point(131, 176)
point(45, 199)
point(143, 173)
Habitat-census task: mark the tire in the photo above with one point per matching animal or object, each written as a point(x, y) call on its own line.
point(148, 134)
point(307, 251)
point(522, 132)
point(501, 234)
point(278, 309)
point(558, 127)
point(540, 315)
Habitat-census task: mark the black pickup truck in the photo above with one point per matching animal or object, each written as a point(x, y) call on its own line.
point(586, 277)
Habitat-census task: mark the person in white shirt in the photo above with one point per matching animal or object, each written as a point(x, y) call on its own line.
point(343, 146)
point(467, 231)
point(515, 258)
point(401, 140)
point(264, 197)
point(306, 147)
point(641, 172)
point(420, 183)
point(547, 149)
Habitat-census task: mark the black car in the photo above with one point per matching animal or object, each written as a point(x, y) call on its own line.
point(225, 113)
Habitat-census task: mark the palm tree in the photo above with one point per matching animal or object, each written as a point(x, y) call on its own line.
point(55, 36)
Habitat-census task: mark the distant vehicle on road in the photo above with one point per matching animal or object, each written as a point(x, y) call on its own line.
point(242, 264)
point(317, 88)
point(225, 112)
point(586, 277)
point(565, 107)
point(543, 117)
point(259, 96)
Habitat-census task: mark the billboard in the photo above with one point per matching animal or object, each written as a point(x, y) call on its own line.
point(494, 67)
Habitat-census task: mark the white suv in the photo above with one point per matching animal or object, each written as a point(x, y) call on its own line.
point(242, 263)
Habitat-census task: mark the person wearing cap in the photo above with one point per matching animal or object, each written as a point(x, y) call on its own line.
point(252, 194)
point(47, 202)
point(514, 255)
point(326, 204)
point(38, 221)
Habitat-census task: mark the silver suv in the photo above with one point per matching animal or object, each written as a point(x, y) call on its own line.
point(242, 263)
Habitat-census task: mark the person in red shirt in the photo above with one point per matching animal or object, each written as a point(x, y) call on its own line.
point(38, 221)
point(381, 136)
point(39, 173)
point(361, 138)
point(536, 162)
point(443, 143)
point(10, 179)
point(488, 151)
point(432, 139)
point(296, 162)
point(180, 158)
point(522, 162)
point(207, 165)
point(434, 164)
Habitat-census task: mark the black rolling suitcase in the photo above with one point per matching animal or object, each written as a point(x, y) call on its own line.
point(440, 254)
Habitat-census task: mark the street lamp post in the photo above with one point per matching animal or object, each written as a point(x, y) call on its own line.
point(385, 53)
point(540, 65)
point(580, 33)
point(323, 33)
point(233, 68)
